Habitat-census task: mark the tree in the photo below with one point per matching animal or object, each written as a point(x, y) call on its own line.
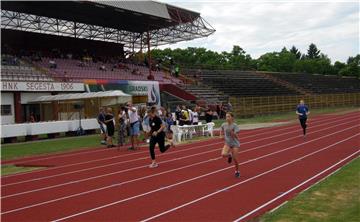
point(277, 61)
point(296, 52)
point(313, 52)
point(352, 67)
point(338, 66)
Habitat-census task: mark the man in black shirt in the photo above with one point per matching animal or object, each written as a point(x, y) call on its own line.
point(101, 119)
point(208, 115)
point(157, 135)
point(110, 127)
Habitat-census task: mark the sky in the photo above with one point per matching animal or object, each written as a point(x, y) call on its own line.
point(268, 25)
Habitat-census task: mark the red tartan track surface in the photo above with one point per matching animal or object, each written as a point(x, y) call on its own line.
point(192, 182)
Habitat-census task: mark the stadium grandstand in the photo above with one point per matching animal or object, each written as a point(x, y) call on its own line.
point(50, 49)
point(53, 48)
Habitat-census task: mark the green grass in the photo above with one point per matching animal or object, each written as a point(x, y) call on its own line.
point(284, 116)
point(11, 169)
point(16, 150)
point(335, 199)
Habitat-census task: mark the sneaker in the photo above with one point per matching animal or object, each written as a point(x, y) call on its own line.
point(131, 148)
point(237, 174)
point(153, 165)
point(103, 142)
point(229, 158)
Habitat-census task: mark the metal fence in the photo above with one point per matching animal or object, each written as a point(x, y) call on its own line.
point(249, 106)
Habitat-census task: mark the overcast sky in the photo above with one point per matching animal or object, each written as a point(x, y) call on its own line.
point(266, 26)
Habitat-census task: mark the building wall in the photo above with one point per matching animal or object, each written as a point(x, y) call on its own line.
point(26, 97)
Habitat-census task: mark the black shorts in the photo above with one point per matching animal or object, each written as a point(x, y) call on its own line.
point(110, 130)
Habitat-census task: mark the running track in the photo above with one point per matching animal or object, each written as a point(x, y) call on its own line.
point(192, 183)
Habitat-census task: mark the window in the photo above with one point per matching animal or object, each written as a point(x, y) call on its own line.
point(5, 110)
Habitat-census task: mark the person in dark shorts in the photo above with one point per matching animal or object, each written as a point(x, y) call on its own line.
point(101, 119)
point(110, 127)
point(208, 115)
point(157, 135)
point(302, 111)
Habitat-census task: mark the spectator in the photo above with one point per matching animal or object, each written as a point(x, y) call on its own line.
point(102, 68)
point(208, 115)
point(110, 127)
point(32, 118)
point(52, 64)
point(178, 113)
point(177, 71)
point(195, 117)
point(134, 125)
point(229, 107)
point(101, 121)
point(122, 126)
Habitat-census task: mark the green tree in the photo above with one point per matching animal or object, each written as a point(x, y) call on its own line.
point(313, 52)
point(352, 67)
point(296, 52)
point(277, 61)
point(338, 66)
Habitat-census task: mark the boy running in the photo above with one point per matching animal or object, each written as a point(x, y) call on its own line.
point(232, 143)
point(302, 111)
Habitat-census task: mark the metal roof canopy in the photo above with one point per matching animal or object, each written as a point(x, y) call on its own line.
point(86, 95)
point(123, 22)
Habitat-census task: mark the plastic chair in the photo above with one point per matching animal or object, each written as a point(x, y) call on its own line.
point(209, 129)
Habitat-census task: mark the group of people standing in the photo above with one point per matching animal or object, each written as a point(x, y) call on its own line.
point(128, 122)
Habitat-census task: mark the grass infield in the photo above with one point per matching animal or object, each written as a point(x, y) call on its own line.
point(335, 199)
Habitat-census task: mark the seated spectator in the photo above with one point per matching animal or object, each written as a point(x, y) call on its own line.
point(81, 64)
point(150, 77)
point(66, 77)
point(208, 115)
point(136, 72)
point(52, 64)
point(102, 68)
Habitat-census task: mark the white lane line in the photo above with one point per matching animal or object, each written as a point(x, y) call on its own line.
point(108, 158)
point(296, 187)
point(192, 179)
point(142, 158)
point(131, 169)
point(234, 185)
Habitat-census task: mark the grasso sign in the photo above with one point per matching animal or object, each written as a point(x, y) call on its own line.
point(42, 86)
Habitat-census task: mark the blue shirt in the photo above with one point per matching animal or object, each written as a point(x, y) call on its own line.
point(303, 109)
point(101, 118)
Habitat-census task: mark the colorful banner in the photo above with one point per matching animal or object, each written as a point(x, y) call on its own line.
point(136, 88)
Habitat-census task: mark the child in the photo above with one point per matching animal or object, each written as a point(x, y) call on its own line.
point(232, 143)
point(157, 135)
point(169, 121)
point(302, 111)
